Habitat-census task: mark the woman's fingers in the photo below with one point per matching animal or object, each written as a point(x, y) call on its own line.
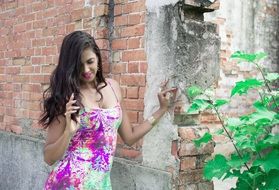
point(168, 91)
point(164, 84)
point(69, 106)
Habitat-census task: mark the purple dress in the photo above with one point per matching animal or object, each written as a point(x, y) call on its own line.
point(88, 160)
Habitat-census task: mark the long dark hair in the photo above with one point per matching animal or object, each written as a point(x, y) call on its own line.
point(65, 79)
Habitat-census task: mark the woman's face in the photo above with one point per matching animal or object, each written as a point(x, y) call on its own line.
point(89, 66)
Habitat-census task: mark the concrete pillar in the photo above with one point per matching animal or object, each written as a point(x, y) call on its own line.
point(182, 47)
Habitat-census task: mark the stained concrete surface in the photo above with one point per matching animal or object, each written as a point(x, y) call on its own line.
point(22, 168)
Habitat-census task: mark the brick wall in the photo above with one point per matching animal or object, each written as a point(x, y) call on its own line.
point(30, 37)
point(129, 65)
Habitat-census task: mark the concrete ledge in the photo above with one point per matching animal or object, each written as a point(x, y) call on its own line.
point(127, 175)
point(22, 168)
point(21, 164)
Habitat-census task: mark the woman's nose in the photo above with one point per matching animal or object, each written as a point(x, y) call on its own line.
point(86, 68)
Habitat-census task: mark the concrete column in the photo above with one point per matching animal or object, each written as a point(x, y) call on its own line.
point(182, 47)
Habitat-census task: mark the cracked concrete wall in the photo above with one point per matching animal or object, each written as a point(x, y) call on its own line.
point(21, 164)
point(22, 168)
point(187, 52)
point(253, 25)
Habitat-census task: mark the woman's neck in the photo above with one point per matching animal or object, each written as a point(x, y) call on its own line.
point(88, 85)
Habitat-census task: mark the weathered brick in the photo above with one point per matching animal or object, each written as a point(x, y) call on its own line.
point(103, 44)
point(185, 119)
point(137, 6)
point(143, 67)
point(81, 13)
point(27, 69)
point(19, 61)
point(188, 163)
point(132, 80)
point(134, 19)
point(191, 176)
point(100, 10)
point(118, 68)
point(135, 55)
point(121, 20)
point(133, 67)
point(117, 10)
point(13, 70)
point(189, 149)
point(133, 92)
point(131, 104)
point(133, 43)
point(141, 92)
point(132, 31)
point(119, 44)
point(187, 133)
point(128, 153)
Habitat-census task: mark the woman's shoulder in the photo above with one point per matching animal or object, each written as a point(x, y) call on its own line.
point(115, 85)
point(112, 82)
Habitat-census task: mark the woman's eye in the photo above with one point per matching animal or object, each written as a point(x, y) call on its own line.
point(90, 62)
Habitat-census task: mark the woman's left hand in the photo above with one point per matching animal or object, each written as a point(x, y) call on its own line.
point(165, 96)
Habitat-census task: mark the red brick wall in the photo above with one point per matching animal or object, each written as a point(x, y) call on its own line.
point(30, 37)
point(129, 65)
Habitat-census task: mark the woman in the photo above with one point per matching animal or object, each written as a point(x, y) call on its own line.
point(83, 112)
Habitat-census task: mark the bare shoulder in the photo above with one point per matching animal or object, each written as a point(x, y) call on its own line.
point(113, 82)
point(116, 87)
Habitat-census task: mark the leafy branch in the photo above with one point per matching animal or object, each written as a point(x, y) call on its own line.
point(250, 134)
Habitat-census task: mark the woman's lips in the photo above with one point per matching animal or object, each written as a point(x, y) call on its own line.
point(87, 75)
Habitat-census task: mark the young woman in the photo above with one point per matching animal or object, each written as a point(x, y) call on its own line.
point(83, 112)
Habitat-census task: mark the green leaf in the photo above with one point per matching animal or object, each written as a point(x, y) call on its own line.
point(243, 86)
point(204, 139)
point(219, 132)
point(260, 55)
point(216, 167)
point(272, 180)
point(269, 162)
point(233, 123)
point(237, 162)
point(199, 105)
point(248, 57)
point(232, 173)
point(262, 117)
point(259, 105)
point(272, 76)
point(193, 91)
point(243, 182)
point(220, 102)
point(270, 141)
point(245, 143)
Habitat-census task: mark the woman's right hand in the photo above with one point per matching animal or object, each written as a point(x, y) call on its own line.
point(71, 125)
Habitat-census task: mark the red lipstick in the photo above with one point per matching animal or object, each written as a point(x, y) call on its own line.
point(87, 75)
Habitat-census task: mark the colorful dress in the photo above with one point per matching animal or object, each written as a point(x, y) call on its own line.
point(87, 162)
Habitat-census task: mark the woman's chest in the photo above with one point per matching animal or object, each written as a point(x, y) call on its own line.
point(100, 118)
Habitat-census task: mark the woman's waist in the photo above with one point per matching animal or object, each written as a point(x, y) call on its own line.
point(89, 154)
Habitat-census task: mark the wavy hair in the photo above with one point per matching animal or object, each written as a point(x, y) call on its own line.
point(65, 79)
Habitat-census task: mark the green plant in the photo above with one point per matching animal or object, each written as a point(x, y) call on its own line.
point(255, 161)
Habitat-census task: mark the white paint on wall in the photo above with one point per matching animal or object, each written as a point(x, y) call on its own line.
point(154, 5)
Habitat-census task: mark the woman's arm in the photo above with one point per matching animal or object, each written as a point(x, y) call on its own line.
point(59, 134)
point(57, 141)
point(131, 135)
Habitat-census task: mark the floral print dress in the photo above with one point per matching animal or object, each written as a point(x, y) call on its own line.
point(87, 162)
